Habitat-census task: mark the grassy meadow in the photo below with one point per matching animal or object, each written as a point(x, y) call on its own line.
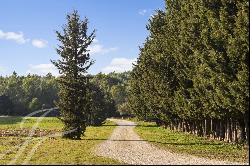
point(13, 150)
point(47, 123)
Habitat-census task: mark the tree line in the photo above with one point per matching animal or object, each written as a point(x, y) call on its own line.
point(192, 74)
point(22, 95)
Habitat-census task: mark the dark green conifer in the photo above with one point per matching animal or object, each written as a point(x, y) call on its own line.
point(192, 71)
point(73, 83)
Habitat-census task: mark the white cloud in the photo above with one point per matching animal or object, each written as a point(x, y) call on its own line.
point(97, 48)
point(1, 69)
point(119, 65)
point(39, 43)
point(17, 37)
point(43, 69)
point(143, 12)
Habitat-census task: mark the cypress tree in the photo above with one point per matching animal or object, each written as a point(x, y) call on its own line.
point(193, 68)
point(73, 83)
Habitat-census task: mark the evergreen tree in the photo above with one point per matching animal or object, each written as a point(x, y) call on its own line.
point(192, 71)
point(6, 105)
point(73, 83)
point(100, 107)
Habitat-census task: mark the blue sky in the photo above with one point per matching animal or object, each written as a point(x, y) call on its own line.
point(28, 40)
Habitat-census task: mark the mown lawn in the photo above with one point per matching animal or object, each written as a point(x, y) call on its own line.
point(53, 150)
point(189, 144)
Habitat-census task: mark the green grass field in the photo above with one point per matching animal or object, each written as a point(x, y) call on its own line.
point(53, 151)
point(47, 123)
point(186, 143)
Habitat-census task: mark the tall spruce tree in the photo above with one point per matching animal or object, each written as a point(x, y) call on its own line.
point(73, 83)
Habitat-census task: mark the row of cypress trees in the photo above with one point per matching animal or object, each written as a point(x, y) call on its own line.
point(192, 71)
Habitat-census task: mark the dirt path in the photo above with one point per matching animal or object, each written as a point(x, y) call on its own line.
point(126, 146)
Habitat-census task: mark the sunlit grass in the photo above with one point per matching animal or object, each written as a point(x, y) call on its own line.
point(47, 123)
point(190, 144)
point(58, 150)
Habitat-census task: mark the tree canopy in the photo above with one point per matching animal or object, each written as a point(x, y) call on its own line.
point(192, 71)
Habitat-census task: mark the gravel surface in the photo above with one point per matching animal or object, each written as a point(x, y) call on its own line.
point(126, 146)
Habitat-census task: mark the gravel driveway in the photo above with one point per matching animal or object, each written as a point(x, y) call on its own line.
point(126, 146)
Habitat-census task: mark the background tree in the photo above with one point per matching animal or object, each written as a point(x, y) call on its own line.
point(21, 90)
point(100, 107)
point(73, 83)
point(123, 109)
point(45, 90)
point(34, 105)
point(115, 87)
point(6, 106)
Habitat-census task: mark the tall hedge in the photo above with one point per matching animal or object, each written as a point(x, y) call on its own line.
point(192, 71)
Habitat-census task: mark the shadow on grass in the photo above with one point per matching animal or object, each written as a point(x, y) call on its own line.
point(115, 140)
point(188, 144)
point(158, 142)
point(134, 125)
point(10, 120)
point(118, 125)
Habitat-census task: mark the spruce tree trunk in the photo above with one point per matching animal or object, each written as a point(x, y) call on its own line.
point(230, 134)
point(212, 129)
point(200, 131)
point(230, 139)
point(222, 130)
point(187, 126)
point(180, 125)
point(165, 125)
point(217, 135)
point(208, 128)
point(194, 128)
point(226, 130)
point(246, 120)
point(235, 132)
point(205, 128)
point(242, 132)
point(183, 126)
point(176, 125)
point(191, 127)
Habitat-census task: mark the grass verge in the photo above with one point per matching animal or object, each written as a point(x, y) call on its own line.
point(190, 144)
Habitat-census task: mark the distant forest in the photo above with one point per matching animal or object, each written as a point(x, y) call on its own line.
point(22, 95)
